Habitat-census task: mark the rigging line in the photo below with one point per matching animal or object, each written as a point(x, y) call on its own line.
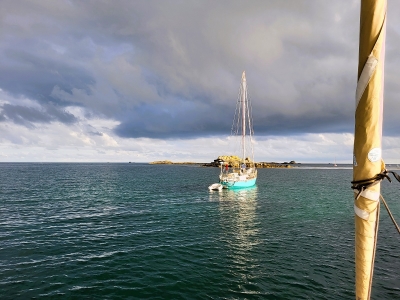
point(250, 111)
point(250, 125)
point(239, 126)
point(236, 116)
point(390, 213)
point(374, 250)
point(236, 123)
point(239, 109)
point(250, 129)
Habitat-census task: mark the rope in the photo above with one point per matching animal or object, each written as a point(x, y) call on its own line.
point(373, 256)
point(361, 185)
point(365, 183)
point(390, 214)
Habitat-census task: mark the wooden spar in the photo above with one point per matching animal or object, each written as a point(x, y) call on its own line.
point(367, 160)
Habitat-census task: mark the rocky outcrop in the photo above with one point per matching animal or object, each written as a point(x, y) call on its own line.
point(235, 161)
point(232, 160)
point(292, 162)
point(272, 165)
point(161, 162)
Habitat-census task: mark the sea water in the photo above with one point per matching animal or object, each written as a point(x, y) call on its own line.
point(139, 231)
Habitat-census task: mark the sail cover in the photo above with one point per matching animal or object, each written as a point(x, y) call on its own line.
point(367, 160)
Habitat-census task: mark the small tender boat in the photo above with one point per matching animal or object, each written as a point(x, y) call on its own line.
point(215, 187)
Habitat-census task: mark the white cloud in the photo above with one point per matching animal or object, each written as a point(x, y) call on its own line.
point(70, 143)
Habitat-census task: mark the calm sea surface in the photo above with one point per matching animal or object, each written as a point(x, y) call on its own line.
point(119, 231)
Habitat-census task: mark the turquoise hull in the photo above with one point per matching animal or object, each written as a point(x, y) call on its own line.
point(239, 184)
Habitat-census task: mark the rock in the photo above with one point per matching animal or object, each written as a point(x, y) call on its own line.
point(161, 162)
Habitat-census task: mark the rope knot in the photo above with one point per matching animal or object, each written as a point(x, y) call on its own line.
point(362, 184)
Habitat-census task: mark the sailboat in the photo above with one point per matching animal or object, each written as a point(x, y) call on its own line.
point(240, 171)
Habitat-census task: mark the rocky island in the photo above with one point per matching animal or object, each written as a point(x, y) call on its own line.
point(234, 161)
point(231, 160)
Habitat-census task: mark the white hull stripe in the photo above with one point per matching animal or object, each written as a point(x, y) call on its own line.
point(370, 195)
point(365, 77)
point(361, 213)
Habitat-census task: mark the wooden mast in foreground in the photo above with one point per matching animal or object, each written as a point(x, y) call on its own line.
point(367, 160)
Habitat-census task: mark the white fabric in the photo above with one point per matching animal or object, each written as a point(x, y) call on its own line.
point(365, 77)
point(361, 213)
point(371, 195)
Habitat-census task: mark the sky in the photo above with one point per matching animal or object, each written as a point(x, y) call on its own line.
point(130, 80)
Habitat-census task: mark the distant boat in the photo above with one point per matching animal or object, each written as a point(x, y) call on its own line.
point(242, 172)
point(335, 165)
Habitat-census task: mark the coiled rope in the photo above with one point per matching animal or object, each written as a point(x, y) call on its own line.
point(361, 185)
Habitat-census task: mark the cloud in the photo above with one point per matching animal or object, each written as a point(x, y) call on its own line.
point(171, 70)
point(26, 71)
point(28, 116)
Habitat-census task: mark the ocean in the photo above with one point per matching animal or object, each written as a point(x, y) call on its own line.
point(140, 231)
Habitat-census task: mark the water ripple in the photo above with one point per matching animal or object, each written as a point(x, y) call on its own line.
point(120, 231)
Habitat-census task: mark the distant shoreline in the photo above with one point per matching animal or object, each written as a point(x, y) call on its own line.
point(258, 165)
point(168, 162)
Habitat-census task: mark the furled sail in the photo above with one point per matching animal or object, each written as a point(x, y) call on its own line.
point(367, 160)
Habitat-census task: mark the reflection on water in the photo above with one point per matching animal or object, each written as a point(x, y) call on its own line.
point(240, 232)
point(244, 194)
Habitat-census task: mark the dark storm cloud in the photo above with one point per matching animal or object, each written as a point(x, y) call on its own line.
point(25, 73)
point(186, 120)
point(294, 125)
point(171, 69)
point(28, 116)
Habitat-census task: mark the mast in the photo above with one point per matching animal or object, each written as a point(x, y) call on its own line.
point(244, 88)
point(367, 161)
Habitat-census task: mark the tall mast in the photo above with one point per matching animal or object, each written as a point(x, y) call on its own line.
point(244, 88)
point(367, 161)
